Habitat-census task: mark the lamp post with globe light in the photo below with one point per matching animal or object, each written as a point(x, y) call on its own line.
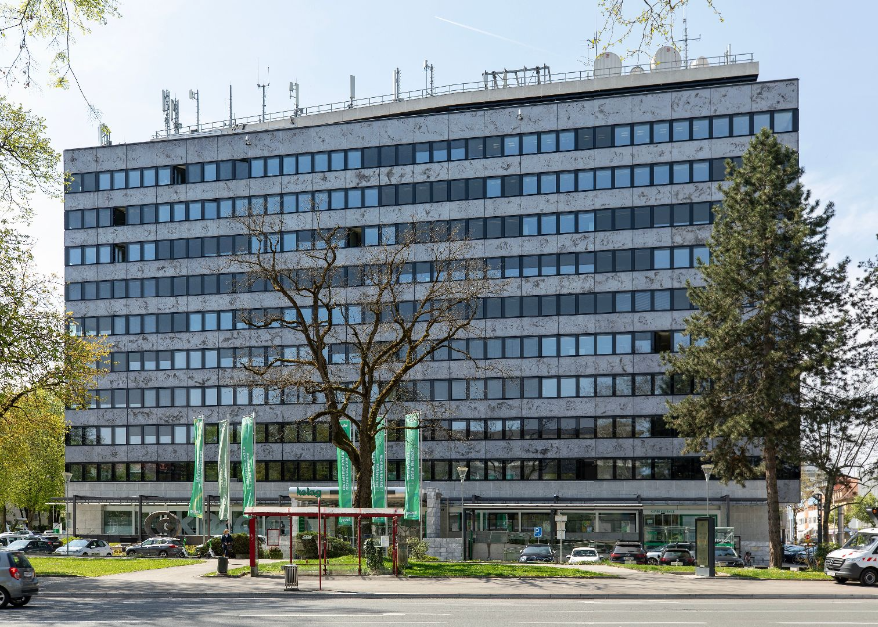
point(707, 468)
point(461, 471)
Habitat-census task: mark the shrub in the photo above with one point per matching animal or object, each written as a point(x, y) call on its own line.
point(374, 556)
point(240, 545)
point(417, 549)
point(336, 547)
point(274, 553)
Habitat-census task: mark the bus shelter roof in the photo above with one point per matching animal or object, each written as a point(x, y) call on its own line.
point(327, 512)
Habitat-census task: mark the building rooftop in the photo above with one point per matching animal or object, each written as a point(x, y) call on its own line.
point(508, 87)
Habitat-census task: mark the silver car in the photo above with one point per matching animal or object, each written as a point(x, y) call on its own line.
point(18, 581)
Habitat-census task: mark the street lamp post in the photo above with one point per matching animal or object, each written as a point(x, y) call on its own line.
point(707, 468)
point(67, 477)
point(461, 471)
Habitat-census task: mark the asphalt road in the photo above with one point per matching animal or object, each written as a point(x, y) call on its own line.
point(478, 612)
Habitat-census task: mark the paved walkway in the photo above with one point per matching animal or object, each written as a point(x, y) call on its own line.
point(188, 581)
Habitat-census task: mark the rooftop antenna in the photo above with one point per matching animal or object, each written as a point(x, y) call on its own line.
point(104, 131)
point(175, 114)
point(428, 82)
point(686, 41)
point(231, 117)
point(193, 95)
point(263, 86)
point(396, 76)
point(353, 91)
point(294, 96)
point(166, 108)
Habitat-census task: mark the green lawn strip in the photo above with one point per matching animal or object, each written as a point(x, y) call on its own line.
point(457, 569)
point(337, 565)
point(98, 566)
point(744, 573)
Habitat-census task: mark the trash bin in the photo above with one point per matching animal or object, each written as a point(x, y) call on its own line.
point(222, 565)
point(291, 576)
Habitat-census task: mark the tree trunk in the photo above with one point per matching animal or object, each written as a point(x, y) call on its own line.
point(827, 510)
point(363, 494)
point(775, 546)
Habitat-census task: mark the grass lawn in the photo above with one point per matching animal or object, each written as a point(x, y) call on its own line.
point(348, 565)
point(745, 573)
point(99, 566)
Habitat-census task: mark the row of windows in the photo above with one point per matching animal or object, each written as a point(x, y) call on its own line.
point(714, 127)
point(584, 427)
point(661, 468)
point(640, 342)
point(619, 219)
point(512, 185)
point(620, 260)
point(435, 390)
point(488, 308)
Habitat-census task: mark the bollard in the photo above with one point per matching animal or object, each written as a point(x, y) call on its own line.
point(222, 565)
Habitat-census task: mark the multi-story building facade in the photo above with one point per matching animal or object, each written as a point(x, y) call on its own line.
point(591, 198)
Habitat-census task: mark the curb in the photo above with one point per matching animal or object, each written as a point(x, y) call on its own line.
point(312, 595)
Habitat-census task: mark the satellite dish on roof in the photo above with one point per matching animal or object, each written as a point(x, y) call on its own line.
point(700, 62)
point(666, 58)
point(636, 70)
point(607, 64)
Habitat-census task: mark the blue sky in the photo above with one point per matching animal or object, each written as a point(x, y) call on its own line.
point(179, 46)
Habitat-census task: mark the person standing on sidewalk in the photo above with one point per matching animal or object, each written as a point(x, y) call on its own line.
point(226, 544)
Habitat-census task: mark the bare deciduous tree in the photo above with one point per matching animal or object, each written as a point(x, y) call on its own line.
point(367, 318)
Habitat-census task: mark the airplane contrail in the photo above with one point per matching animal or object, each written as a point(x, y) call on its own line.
point(484, 32)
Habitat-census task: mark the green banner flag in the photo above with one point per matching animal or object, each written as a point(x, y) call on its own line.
point(224, 472)
point(412, 466)
point(345, 477)
point(248, 460)
point(196, 503)
point(379, 470)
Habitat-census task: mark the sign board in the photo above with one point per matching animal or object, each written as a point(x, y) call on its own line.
point(561, 534)
point(705, 545)
point(538, 532)
point(384, 541)
point(562, 526)
point(272, 537)
point(560, 518)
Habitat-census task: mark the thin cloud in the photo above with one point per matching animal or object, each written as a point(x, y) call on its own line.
point(495, 36)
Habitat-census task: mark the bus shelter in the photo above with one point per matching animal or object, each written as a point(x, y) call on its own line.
point(322, 514)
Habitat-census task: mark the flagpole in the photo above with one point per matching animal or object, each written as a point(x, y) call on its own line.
point(204, 530)
point(420, 480)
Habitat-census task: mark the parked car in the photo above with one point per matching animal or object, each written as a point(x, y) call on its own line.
point(628, 553)
point(18, 581)
point(85, 547)
point(30, 546)
point(54, 541)
point(583, 555)
point(673, 556)
point(726, 556)
point(537, 553)
point(652, 557)
point(158, 547)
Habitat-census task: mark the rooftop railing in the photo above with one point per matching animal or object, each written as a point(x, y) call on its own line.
point(490, 81)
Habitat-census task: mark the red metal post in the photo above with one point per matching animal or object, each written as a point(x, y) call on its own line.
point(253, 544)
point(319, 568)
point(395, 555)
point(359, 545)
point(291, 539)
point(325, 546)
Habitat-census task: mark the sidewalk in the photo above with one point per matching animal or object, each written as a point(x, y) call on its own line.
point(188, 581)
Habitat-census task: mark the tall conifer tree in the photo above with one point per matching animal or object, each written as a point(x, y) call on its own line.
point(764, 320)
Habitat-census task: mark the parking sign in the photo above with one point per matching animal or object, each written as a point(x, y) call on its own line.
point(538, 532)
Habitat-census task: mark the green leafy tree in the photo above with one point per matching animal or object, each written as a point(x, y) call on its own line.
point(761, 324)
point(860, 509)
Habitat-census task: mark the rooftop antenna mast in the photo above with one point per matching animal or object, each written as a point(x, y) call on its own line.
point(428, 78)
point(231, 116)
point(104, 131)
point(263, 87)
point(686, 39)
point(294, 96)
point(175, 114)
point(166, 108)
point(396, 81)
point(193, 95)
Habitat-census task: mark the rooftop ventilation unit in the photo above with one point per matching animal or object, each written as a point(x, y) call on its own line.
point(699, 62)
point(666, 58)
point(607, 64)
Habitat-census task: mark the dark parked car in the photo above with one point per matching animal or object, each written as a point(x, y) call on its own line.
point(670, 556)
point(537, 553)
point(653, 556)
point(31, 547)
point(628, 553)
point(54, 541)
point(18, 581)
point(791, 553)
point(157, 547)
point(726, 556)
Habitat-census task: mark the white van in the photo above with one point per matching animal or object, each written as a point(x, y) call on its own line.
point(857, 559)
